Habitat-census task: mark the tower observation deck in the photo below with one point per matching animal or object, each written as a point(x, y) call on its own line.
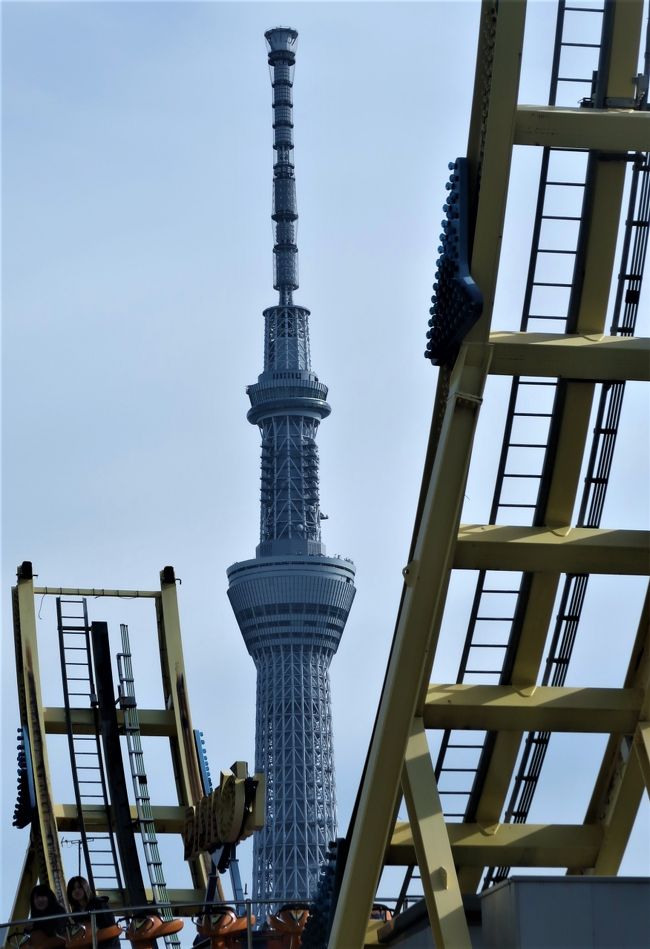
point(291, 601)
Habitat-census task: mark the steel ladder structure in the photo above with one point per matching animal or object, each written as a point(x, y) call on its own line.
point(531, 420)
point(86, 757)
point(91, 814)
point(532, 551)
point(147, 826)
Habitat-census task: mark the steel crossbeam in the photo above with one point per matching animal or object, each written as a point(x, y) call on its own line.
point(543, 708)
point(606, 358)
point(523, 845)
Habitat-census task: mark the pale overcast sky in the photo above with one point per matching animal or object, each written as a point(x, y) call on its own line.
point(137, 167)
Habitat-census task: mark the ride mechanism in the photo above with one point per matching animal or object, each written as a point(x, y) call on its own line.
point(291, 601)
point(113, 829)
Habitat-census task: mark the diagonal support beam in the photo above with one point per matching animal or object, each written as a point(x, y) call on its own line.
point(620, 782)
point(431, 843)
point(642, 749)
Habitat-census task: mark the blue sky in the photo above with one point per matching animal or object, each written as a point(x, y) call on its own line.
point(137, 168)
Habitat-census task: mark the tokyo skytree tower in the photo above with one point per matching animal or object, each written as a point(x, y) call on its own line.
point(291, 601)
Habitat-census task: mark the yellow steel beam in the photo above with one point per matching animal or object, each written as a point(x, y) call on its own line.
point(620, 782)
point(513, 845)
point(572, 550)
point(169, 819)
point(96, 592)
point(642, 749)
point(416, 633)
point(541, 708)
point(185, 902)
point(490, 142)
point(595, 358)
point(183, 752)
point(607, 130)
point(437, 871)
point(44, 836)
point(154, 722)
point(28, 880)
point(603, 218)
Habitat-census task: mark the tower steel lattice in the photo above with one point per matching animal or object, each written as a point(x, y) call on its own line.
point(291, 601)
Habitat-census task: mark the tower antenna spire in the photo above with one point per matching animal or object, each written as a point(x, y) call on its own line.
point(281, 44)
point(291, 601)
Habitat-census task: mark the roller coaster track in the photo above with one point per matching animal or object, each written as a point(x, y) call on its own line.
point(43, 859)
point(513, 664)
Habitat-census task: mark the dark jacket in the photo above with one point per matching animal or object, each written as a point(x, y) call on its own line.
point(49, 927)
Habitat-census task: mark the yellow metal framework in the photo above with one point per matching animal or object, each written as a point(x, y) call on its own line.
point(43, 859)
point(452, 857)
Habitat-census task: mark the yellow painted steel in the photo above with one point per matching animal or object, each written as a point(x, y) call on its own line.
point(606, 358)
point(96, 592)
point(185, 902)
point(44, 838)
point(431, 844)
point(515, 845)
point(169, 818)
point(620, 783)
point(538, 708)
point(569, 550)
point(602, 129)
point(154, 722)
point(458, 399)
point(417, 627)
point(186, 770)
point(580, 360)
point(642, 748)
point(172, 722)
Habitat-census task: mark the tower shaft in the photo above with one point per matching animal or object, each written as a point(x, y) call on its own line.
point(291, 601)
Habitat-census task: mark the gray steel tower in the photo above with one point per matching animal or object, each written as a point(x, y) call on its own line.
point(291, 601)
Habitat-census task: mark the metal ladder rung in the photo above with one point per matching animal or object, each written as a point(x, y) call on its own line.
point(550, 250)
point(464, 746)
point(489, 645)
point(459, 770)
point(537, 317)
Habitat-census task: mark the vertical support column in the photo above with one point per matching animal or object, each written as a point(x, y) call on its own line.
point(186, 768)
point(45, 837)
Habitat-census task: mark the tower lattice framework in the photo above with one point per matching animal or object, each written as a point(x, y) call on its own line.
point(291, 601)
